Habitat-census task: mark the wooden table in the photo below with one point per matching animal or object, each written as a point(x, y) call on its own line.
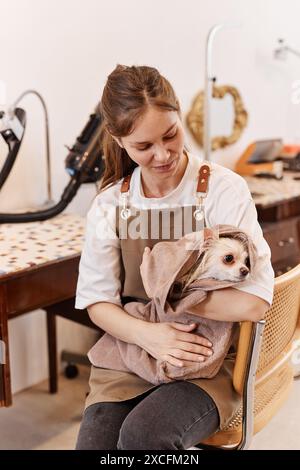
point(278, 208)
point(38, 269)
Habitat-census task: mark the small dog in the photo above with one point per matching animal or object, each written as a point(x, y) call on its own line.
point(224, 259)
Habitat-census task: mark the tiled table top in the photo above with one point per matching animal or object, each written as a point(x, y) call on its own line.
point(29, 244)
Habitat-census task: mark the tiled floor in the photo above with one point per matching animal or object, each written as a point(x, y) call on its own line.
point(38, 420)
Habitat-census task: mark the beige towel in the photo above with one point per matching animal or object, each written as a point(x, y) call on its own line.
point(161, 271)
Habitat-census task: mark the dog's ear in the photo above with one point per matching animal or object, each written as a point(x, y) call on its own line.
point(210, 234)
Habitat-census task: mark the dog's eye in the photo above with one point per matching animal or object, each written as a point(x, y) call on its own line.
point(247, 262)
point(228, 258)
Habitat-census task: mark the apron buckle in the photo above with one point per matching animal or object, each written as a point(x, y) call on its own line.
point(199, 212)
point(125, 211)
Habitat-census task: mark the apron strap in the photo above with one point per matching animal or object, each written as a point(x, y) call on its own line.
point(126, 183)
point(204, 173)
point(201, 193)
point(203, 178)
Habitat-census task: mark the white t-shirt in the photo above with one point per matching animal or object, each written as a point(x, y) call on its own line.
point(228, 201)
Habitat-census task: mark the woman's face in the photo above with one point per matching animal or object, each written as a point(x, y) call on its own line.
point(157, 143)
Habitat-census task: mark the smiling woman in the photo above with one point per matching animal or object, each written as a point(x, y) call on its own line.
point(162, 160)
point(150, 135)
point(149, 172)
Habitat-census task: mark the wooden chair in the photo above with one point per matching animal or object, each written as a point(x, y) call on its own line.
point(263, 373)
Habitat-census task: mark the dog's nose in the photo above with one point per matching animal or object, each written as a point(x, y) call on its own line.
point(244, 271)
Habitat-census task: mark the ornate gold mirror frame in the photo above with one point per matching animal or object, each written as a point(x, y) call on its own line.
point(195, 117)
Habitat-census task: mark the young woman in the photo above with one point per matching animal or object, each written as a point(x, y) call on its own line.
point(143, 137)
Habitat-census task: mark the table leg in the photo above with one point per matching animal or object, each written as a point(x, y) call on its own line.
point(5, 381)
point(52, 350)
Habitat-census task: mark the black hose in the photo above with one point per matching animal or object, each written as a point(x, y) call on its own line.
point(68, 194)
point(84, 164)
point(13, 146)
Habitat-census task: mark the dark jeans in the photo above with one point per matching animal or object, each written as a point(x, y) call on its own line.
point(176, 415)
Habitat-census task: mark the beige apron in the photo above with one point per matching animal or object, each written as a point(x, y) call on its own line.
point(112, 385)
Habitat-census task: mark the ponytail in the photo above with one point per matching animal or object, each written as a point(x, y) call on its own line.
point(117, 161)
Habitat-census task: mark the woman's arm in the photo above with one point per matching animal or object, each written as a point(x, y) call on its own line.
point(169, 341)
point(115, 321)
point(232, 305)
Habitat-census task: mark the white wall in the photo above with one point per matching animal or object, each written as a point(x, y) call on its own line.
point(66, 48)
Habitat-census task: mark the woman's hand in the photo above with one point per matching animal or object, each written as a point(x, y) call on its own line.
point(174, 342)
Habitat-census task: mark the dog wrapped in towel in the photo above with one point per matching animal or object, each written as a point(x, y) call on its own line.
point(176, 282)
